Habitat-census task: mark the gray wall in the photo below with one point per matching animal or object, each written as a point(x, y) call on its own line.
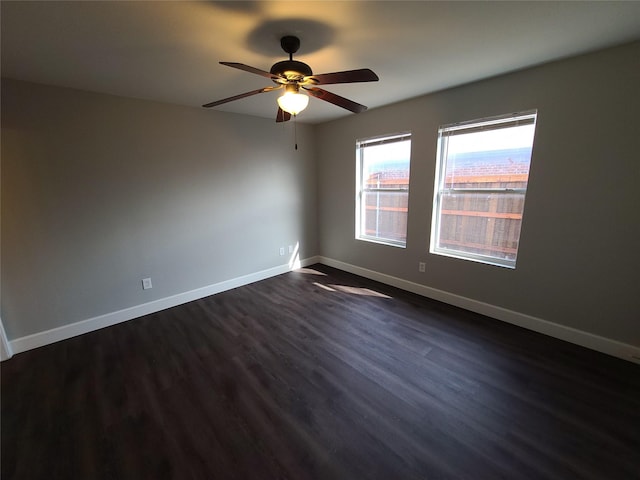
point(99, 192)
point(579, 260)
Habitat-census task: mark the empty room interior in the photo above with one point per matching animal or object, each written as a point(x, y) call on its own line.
point(320, 240)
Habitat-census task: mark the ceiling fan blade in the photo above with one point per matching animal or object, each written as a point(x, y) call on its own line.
point(335, 99)
point(282, 116)
point(247, 68)
point(349, 76)
point(238, 97)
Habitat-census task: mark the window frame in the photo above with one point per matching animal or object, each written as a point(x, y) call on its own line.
point(528, 117)
point(361, 189)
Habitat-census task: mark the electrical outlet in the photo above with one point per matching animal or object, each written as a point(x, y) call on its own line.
point(421, 267)
point(146, 284)
point(281, 251)
point(290, 248)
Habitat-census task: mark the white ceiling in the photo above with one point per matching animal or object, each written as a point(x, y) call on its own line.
point(169, 51)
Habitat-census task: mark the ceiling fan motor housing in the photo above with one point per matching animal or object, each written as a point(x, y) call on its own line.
point(291, 69)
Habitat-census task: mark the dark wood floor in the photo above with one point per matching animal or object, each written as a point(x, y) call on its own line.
point(318, 374)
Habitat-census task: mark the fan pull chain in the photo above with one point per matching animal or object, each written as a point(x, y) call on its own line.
point(295, 131)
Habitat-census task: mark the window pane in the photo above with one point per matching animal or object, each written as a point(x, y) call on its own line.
point(385, 215)
point(386, 166)
point(481, 223)
point(495, 158)
point(479, 199)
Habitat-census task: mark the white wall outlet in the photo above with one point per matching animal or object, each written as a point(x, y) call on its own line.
point(421, 267)
point(281, 251)
point(290, 248)
point(146, 284)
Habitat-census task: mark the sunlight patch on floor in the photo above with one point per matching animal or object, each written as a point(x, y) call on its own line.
point(326, 287)
point(359, 291)
point(352, 290)
point(310, 271)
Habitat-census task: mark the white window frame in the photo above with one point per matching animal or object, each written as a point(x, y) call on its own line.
point(444, 132)
point(361, 144)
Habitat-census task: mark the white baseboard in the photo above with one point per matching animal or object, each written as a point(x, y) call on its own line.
point(64, 332)
point(568, 334)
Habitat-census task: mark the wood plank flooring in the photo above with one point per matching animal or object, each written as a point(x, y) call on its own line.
point(318, 374)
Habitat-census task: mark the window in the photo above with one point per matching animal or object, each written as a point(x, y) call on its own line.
point(482, 171)
point(382, 203)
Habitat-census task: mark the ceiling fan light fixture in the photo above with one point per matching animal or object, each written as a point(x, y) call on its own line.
point(293, 101)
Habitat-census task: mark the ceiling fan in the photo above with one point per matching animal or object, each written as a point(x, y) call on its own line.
point(292, 75)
